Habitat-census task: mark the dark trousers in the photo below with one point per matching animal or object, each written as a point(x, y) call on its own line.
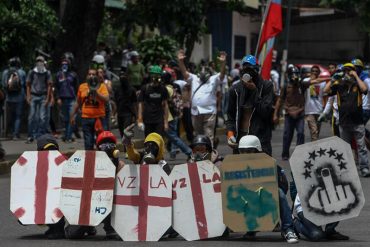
point(289, 125)
point(154, 127)
point(188, 126)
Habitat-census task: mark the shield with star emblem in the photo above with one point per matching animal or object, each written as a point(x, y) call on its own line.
point(327, 181)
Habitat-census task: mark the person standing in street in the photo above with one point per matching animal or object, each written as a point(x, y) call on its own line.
point(14, 84)
point(205, 95)
point(39, 96)
point(91, 98)
point(153, 108)
point(66, 85)
point(135, 70)
point(250, 107)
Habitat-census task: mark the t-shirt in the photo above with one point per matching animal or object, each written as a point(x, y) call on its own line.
point(152, 98)
point(66, 85)
point(314, 98)
point(92, 108)
point(39, 82)
point(135, 73)
point(292, 96)
point(204, 100)
point(365, 98)
point(349, 99)
point(125, 98)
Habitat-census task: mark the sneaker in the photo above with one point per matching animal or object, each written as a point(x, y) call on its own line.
point(365, 172)
point(336, 236)
point(29, 140)
point(290, 237)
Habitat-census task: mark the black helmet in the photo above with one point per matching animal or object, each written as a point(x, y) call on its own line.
point(202, 140)
point(292, 70)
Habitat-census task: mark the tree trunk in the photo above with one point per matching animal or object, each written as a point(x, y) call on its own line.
point(81, 23)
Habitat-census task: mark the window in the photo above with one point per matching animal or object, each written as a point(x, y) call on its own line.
point(240, 44)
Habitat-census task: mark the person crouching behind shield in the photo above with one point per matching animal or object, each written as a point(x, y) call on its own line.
point(251, 144)
point(201, 147)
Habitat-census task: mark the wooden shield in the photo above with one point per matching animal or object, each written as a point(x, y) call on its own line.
point(327, 181)
point(87, 188)
point(197, 201)
point(35, 187)
point(142, 203)
point(250, 198)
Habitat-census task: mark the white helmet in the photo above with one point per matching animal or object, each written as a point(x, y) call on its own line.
point(250, 141)
point(98, 59)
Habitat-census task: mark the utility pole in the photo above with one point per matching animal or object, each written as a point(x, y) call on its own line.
point(286, 44)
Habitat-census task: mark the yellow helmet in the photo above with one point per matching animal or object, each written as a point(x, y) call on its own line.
point(357, 62)
point(349, 65)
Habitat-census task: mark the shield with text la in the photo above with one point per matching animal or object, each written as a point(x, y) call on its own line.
point(35, 187)
point(87, 188)
point(197, 201)
point(142, 203)
point(327, 181)
point(250, 197)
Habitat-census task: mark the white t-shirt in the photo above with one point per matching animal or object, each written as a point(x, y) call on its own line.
point(313, 97)
point(365, 97)
point(204, 101)
point(181, 83)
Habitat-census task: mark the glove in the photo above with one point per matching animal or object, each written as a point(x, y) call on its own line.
point(322, 118)
point(128, 133)
point(231, 141)
point(141, 126)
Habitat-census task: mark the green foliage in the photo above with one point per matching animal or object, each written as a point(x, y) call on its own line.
point(24, 26)
point(362, 8)
point(156, 48)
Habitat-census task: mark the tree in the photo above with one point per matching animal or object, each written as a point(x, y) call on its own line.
point(156, 48)
point(24, 26)
point(81, 23)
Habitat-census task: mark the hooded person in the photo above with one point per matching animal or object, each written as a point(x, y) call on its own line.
point(202, 150)
point(48, 142)
point(251, 144)
point(153, 152)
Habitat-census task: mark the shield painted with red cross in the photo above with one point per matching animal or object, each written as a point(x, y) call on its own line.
point(35, 187)
point(87, 188)
point(142, 204)
point(197, 200)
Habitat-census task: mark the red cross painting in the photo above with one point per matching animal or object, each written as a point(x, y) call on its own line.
point(142, 203)
point(87, 188)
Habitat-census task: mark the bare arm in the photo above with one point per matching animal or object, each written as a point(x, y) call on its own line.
point(28, 87)
point(165, 115)
point(140, 112)
point(180, 58)
point(361, 84)
point(222, 59)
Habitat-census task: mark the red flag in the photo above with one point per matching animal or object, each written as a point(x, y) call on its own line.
point(272, 25)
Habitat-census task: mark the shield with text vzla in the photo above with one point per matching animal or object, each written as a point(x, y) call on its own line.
point(87, 188)
point(197, 201)
point(142, 204)
point(327, 181)
point(35, 187)
point(250, 196)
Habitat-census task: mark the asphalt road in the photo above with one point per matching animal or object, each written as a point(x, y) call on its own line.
point(14, 234)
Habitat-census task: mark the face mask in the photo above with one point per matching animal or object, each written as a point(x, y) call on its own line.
point(204, 76)
point(156, 81)
point(40, 67)
point(200, 156)
point(65, 68)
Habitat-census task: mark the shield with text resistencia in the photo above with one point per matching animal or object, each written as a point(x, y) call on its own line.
point(197, 201)
point(327, 181)
point(87, 188)
point(250, 197)
point(35, 187)
point(142, 203)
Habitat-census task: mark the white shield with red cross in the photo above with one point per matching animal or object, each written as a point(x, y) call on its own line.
point(142, 204)
point(35, 187)
point(87, 188)
point(197, 200)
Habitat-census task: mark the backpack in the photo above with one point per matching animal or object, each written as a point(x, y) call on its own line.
point(13, 82)
point(175, 105)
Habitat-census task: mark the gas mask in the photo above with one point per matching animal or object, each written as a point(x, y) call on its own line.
point(198, 156)
point(294, 78)
point(40, 67)
point(111, 150)
point(253, 73)
point(151, 151)
point(205, 74)
point(156, 81)
point(93, 83)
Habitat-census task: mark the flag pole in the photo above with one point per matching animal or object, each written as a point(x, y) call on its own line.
point(284, 59)
point(262, 25)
